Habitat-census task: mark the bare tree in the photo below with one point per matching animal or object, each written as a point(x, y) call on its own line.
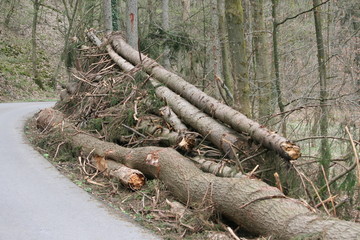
point(324, 123)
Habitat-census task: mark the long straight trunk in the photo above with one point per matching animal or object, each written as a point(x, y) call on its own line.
point(250, 203)
point(324, 125)
point(132, 23)
point(238, 55)
point(225, 48)
point(166, 27)
point(224, 113)
point(107, 15)
point(262, 53)
point(34, 58)
point(277, 65)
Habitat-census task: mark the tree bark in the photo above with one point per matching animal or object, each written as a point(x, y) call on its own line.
point(324, 123)
point(225, 48)
point(107, 15)
point(132, 23)
point(236, 34)
point(34, 57)
point(166, 27)
point(262, 64)
point(277, 64)
point(171, 118)
point(224, 113)
point(250, 203)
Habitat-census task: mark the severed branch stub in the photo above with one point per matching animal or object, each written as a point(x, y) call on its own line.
point(131, 178)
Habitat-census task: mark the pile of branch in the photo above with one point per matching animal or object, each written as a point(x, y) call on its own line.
point(190, 119)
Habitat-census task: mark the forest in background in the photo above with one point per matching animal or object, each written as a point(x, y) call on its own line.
point(283, 78)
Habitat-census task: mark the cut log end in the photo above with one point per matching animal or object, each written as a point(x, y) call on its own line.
point(292, 150)
point(136, 181)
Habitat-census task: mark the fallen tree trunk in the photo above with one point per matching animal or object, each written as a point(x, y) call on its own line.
point(250, 203)
point(224, 113)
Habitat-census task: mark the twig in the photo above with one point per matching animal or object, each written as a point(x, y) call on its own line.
point(311, 9)
point(331, 197)
point(131, 129)
point(232, 233)
point(260, 199)
point(355, 153)
point(255, 155)
point(252, 172)
point(57, 150)
point(315, 189)
point(278, 182)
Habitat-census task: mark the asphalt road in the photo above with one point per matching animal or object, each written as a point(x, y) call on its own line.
point(38, 203)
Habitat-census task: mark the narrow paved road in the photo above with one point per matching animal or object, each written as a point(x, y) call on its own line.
point(38, 203)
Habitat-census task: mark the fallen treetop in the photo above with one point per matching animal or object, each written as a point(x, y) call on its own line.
point(239, 122)
point(250, 203)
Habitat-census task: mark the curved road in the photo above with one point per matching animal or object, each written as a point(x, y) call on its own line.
point(38, 203)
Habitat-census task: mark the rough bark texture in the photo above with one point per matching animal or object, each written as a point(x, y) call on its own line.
point(224, 113)
point(250, 203)
point(166, 27)
point(262, 63)
point(171, 118)
point(132, 23)
point(324, 122)
point(236, 35)
point(225, 48)
point(107, 16)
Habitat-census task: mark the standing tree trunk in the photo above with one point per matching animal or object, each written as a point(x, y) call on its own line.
point(216, 48)
point(34, 58)
point(262, 53)
point(324, 125)
point(235, 25)
point(132, 23)
point(166, 26)
point(225, 48)
point(107, 16)
point(277, 65)
point(186, 9)
point(115, 9)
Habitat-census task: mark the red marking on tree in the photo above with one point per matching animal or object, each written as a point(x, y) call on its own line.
point(132, 18)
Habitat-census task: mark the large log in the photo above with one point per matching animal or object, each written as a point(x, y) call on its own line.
point(250, 203)
point(284, 147)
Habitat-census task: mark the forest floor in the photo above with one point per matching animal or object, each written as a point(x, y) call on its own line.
point(152, 207)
